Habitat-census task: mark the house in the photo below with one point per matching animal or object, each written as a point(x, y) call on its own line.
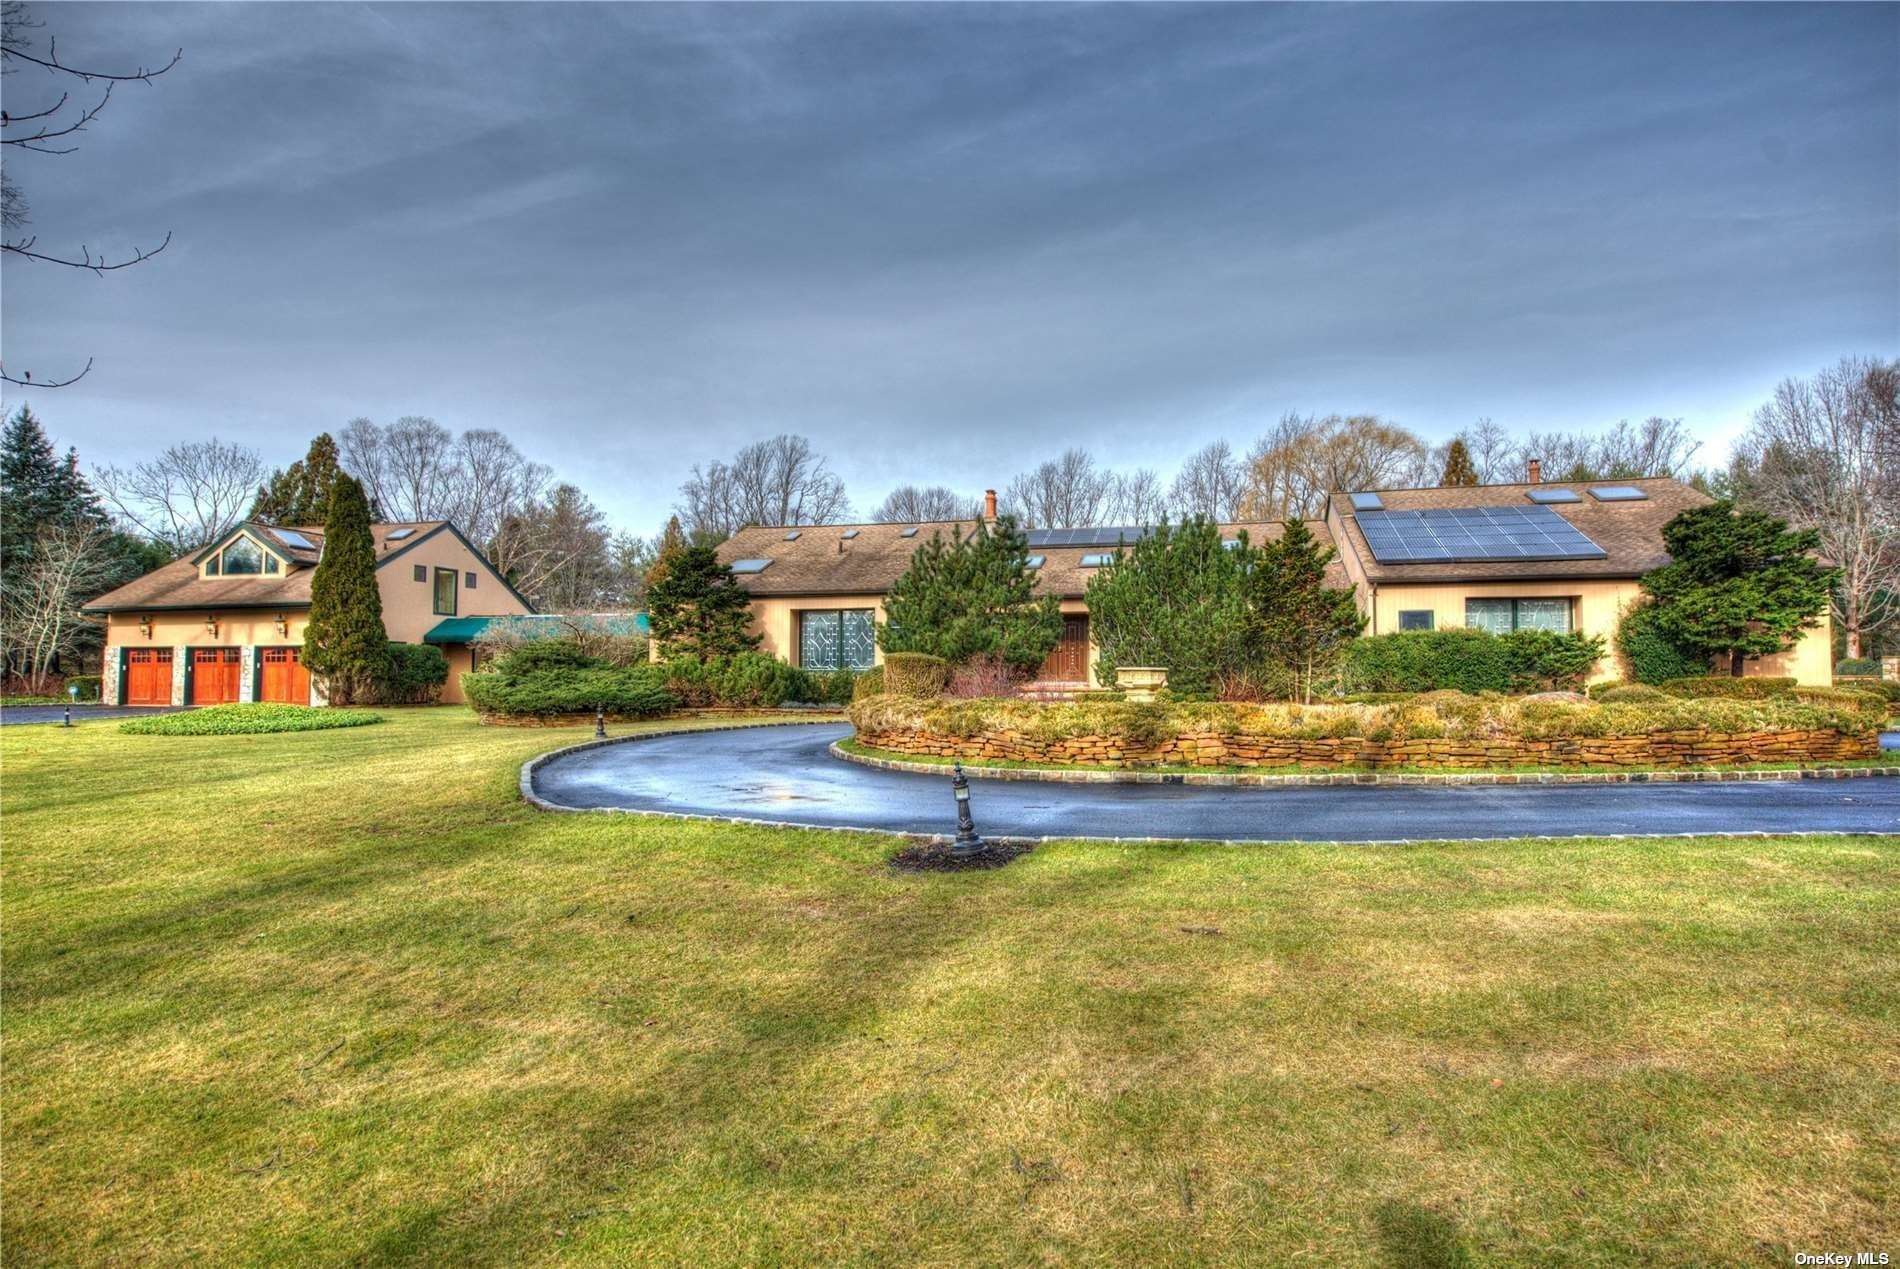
point(1563, 556)
point(226, 624)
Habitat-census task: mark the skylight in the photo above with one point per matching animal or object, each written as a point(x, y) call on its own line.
point(1547, 497)
point(792, 536)
point(850, 533)
point(395, 535)
point(1367, 502)
point(1617, 493)
point(910, 532)
point(291, 537)
point(1035, 561)
point(1097, 559)
point(749, 566)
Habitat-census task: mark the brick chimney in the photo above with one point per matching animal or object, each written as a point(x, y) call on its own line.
point(989, 504)
point(1534, 471)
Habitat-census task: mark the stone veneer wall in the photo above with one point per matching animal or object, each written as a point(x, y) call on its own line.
point(1687, 748)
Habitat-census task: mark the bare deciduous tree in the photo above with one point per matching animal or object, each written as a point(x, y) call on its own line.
point(1820, 456)
point(51, 126)
point(1212, 483)
point(188, 496)
point(70, 563)
point(1064, 493)
point(777, 481)
point(1493, 453)
point(908, 504)
point(415, 469)
point(1295, 466)
point(554, 551)
point(1137, 498)
point(1654, 447)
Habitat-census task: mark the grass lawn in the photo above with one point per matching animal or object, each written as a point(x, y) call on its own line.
point(338, 996)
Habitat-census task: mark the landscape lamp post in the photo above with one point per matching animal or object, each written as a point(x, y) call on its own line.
point(600, 722)
point(72, 694)
point(967, 843)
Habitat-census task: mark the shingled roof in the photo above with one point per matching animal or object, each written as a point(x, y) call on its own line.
point(1630, 533)
point(867, 559)
point(179, 584)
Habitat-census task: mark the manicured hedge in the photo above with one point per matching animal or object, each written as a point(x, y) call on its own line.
point(1648, 654)
point(1730, 688)
point(1429, 716)
point(1471, 661)
point(869, 683)
point(622, 691)
point(241, 720)
point(417, 672)
point(915, 674)
point(1613, 693)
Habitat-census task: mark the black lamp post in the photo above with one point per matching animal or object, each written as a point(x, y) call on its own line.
point(967, 843)
point(72, 694)
point(600, 722)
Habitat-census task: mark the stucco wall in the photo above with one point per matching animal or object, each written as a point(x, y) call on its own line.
point(409, 605)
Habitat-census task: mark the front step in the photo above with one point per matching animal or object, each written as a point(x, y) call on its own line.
point(1051, 690)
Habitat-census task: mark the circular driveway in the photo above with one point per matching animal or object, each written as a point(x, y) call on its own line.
point(785, 775)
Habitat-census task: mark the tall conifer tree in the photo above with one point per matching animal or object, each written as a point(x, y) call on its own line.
point(345, 642)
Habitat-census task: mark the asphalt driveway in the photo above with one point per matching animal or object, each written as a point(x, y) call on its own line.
point(786, 775)
point(17, 714)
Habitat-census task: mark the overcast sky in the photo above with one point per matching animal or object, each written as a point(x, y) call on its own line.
point(945, 241)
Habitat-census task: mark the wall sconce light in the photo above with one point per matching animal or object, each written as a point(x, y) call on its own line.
point(145, 626)
point(283, 626)
point(211, 624)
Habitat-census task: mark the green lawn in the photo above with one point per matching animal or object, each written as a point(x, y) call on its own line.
point(338, 996)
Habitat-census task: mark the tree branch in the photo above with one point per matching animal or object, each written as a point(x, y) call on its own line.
point(52, 63)
point(51, 134)
point(30, 382)
point(24, 247)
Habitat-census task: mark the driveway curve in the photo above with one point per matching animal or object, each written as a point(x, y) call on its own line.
point(784, 775)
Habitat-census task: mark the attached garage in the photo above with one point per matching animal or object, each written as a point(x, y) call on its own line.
point(148, 677)
point(281, 676)
point(216, 675)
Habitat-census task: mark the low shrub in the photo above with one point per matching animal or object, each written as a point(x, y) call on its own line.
point(1858, 665)
point(1471, 661)
point(869, 683)
point(983, 676)
point(836, 687)
point(1728, 688)
point(245, 720)
point(744, 680)
point(417, 672)
point(624, 692)
point(1427, 716)
point(915, 674)
point(88, 685)
point(1626, 692)
point(536, 655)
point(1648, 654)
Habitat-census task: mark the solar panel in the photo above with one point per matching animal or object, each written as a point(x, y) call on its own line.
point(1470, 534)
point(1367, 502)
point(1094, 535)
point(749, 566)
point(1550, 496)
point(1617, 493)
point(291, 537)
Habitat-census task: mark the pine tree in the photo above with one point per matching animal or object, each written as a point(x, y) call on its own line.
point(698, 608)
point(1459, 469)
point(300, 493)
point(974, 596)
point(1737, 584)
point(1177, 598)
point(1304, 623)
point(345, 642)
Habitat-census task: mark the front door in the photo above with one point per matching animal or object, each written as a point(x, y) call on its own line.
point(215, 675)
point(1069, 663)
point(148, 676)
point(284, 679)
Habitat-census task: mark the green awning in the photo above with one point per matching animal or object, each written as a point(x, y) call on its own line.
point(541, 625)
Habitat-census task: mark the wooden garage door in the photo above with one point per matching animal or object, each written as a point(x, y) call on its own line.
point(284, 679)
point(215, 675)
point(148, 676)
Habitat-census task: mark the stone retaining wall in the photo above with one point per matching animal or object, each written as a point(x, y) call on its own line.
point(1663, 749)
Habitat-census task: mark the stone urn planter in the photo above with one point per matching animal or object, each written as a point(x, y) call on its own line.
point(1141, 682)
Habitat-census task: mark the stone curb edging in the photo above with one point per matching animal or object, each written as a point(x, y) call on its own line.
point(1227, 780)
point(535, 800)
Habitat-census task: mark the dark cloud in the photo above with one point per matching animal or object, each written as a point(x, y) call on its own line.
point(946, 240)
